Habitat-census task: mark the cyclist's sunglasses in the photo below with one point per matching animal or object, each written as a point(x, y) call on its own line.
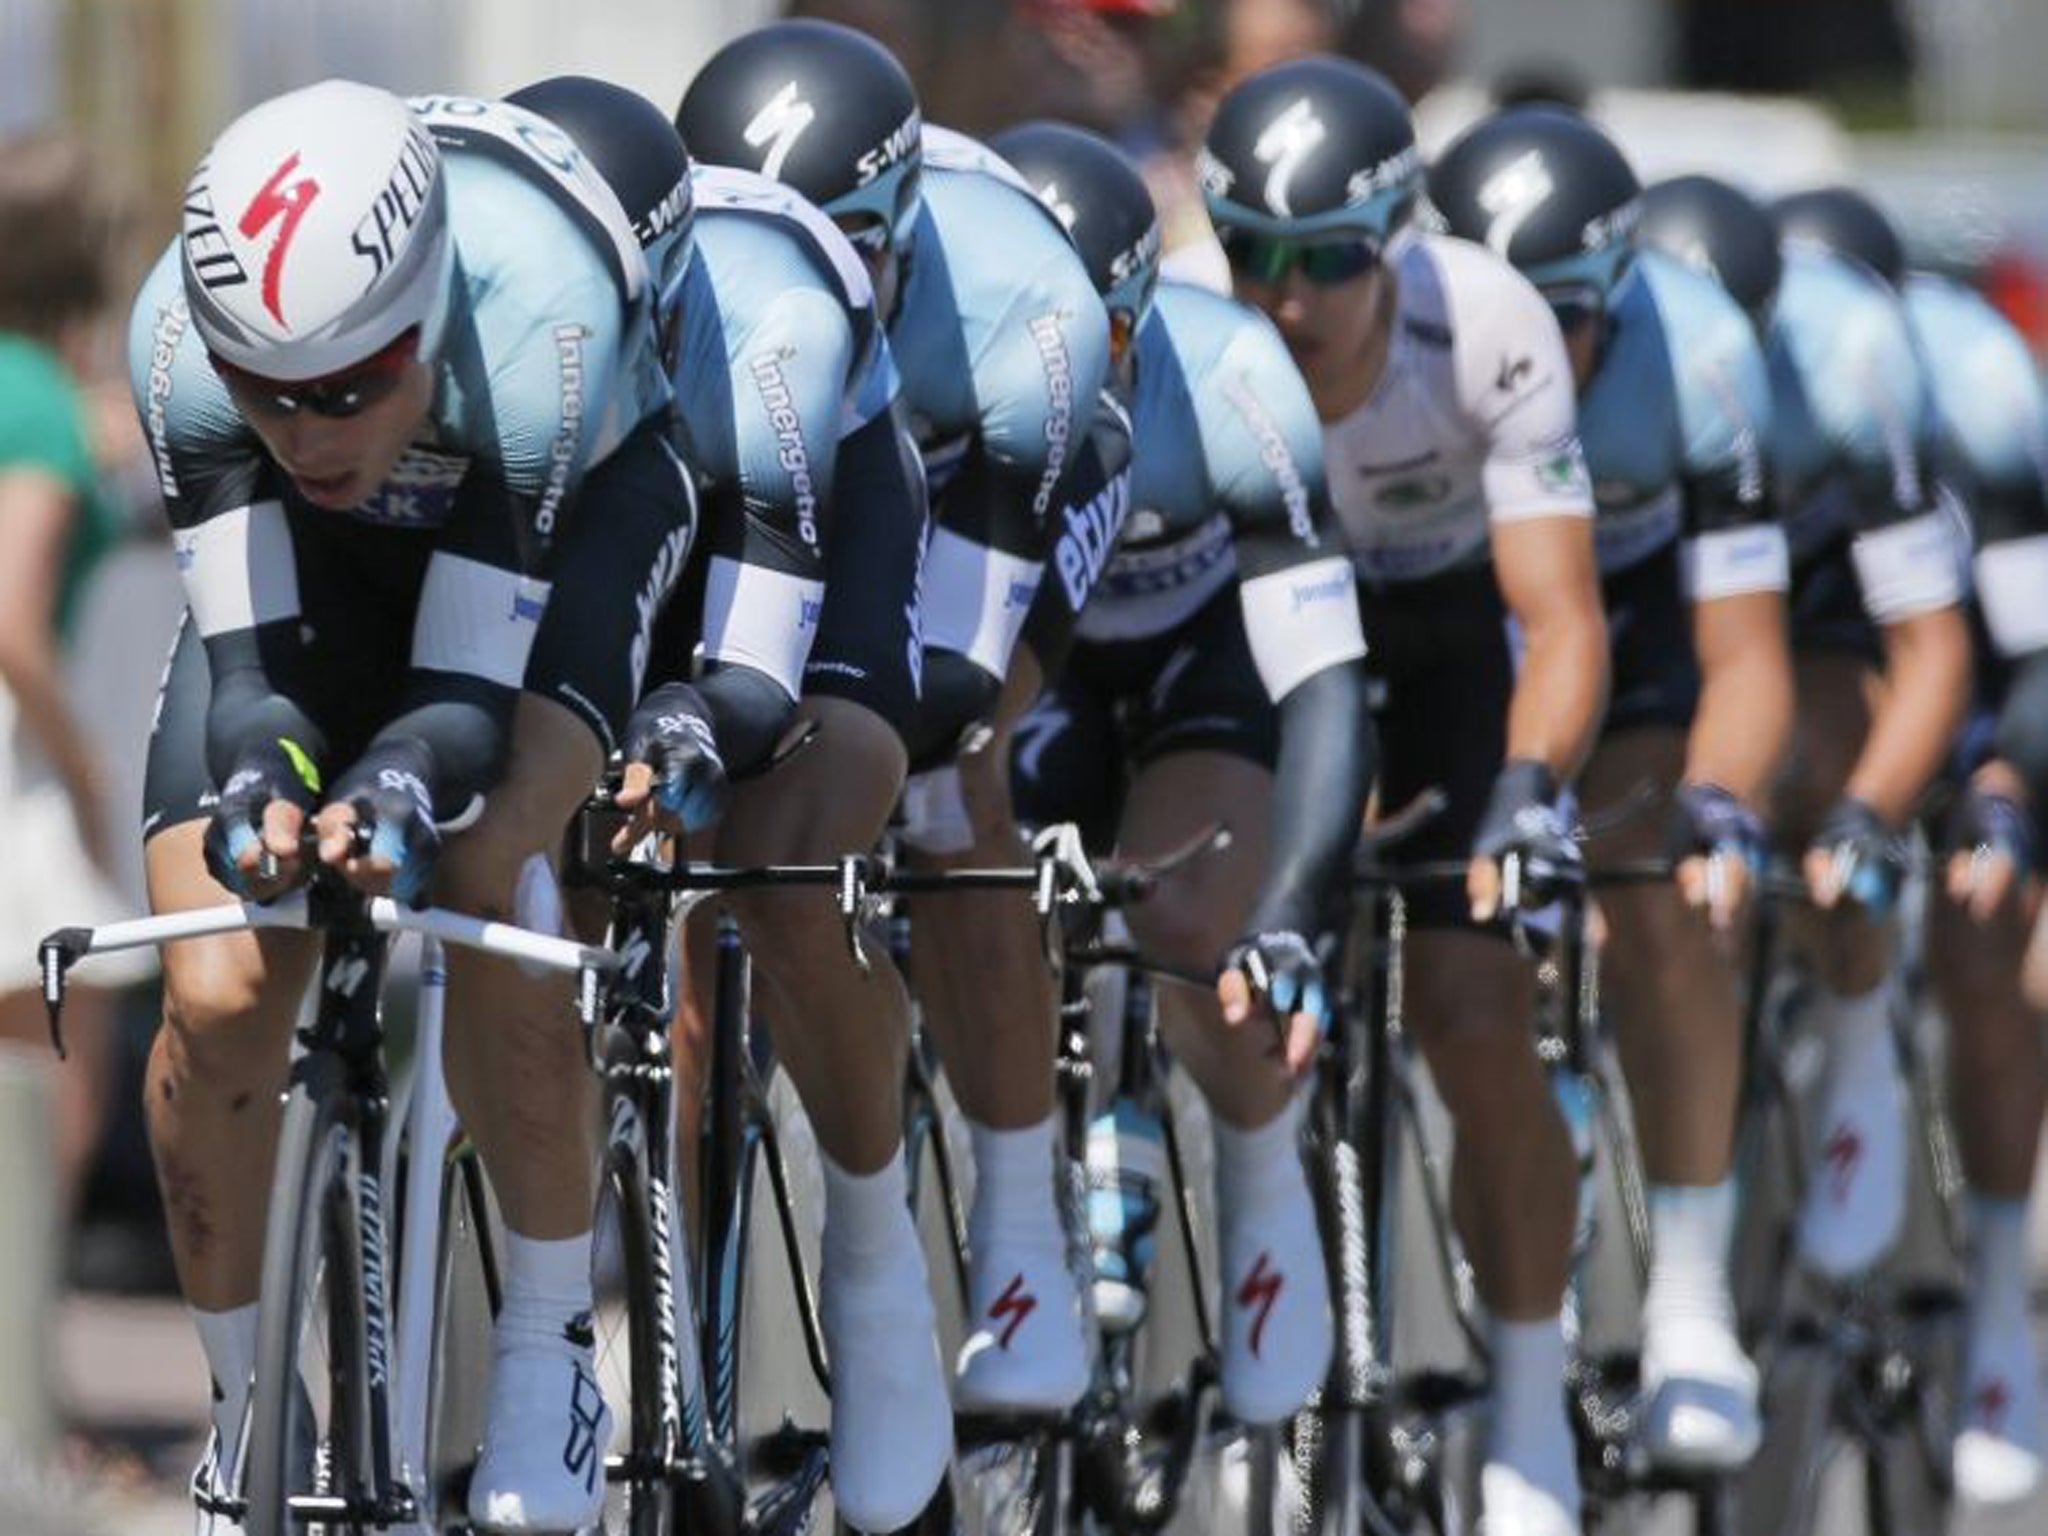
point(1325, 263)
point(1574, 304)
point(350, 392)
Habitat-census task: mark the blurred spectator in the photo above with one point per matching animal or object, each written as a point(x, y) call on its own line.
point(55, 526)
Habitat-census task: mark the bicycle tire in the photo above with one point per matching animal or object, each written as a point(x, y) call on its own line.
point(640, 1501)
point(312, 1275)
point(467, 1295)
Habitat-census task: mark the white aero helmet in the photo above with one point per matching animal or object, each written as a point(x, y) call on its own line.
point(316, 233)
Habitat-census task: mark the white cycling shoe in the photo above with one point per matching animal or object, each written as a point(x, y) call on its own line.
point(1512, 1504)
point(1856, 1177)
point(1998, 1447)
point(546, 1432)
point(1277, 1333)
point(1700, 1395)
point(216, 1508)
point(1027, 1352)
point(892, 1419)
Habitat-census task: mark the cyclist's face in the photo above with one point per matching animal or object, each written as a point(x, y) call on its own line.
point(1582, 336)
point(1330, 327)
point(337, 462)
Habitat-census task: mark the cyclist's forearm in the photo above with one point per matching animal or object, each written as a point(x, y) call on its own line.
point(248, 713)
point(1927, 688)
point(463, 729)
point(1744, 717)
point(1560, 690)
point(1329, 754)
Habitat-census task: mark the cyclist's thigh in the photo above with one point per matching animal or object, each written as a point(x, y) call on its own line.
point(1631, 776)
point(1836, 653)
point(1443, 670)
point(1065, 760)
point(1654, 676)
point(234, 987)
point(829, 798)
point(1204, 738)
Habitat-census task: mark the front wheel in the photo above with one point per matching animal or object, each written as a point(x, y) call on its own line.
point(635, 1328)
point(318, 1368)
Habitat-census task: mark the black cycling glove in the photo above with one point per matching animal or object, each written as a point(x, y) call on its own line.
point(1523, 820)
point(1706, 820)
point(388, 789)
point(1994, 825)
point(1286, 969)
point(274, 770)
point(1869, 858)
point(671, 732)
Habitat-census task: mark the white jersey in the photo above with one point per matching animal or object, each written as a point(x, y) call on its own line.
point(1474, 421)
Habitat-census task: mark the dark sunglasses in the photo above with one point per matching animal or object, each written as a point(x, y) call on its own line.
point(1325, 263)
point(1575, 305)
point(339, 396)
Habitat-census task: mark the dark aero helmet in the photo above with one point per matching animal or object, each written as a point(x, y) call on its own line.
point(1312, 147)
point(1707, 224)
point(1093, 189)
point(1842, 220)
point(638, 153)
point(819, 107)
point(1548, 191)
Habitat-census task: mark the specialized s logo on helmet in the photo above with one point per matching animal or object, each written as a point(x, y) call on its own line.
point(1285, 144)
point(778, 125)
point(1511, 195)
point(285, 204)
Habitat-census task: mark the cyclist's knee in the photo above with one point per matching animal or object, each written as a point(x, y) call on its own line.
point(831, 798)
point(1186, 927)
point(225, 1018)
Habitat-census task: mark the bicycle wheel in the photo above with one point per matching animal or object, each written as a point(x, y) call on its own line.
point(310, 1422)
point(466, 1298)
point(635, 1327)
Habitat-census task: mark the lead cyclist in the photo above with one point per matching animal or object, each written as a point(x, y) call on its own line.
point(398, 373)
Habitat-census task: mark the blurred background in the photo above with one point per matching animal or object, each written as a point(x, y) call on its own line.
point(1939, 107)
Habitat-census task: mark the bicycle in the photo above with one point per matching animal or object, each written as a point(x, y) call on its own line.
point(346, 1429)
point(1119, 1459)
point(1870, 1364)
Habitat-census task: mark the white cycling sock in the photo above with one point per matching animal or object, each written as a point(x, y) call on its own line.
point(1998, 1261)
point(1013, 1181)
point(1531, 1435)
point(864, 1214)
point(229, 1340)
point(1998, 1449)
point(1277, 1332)
point(1257, 1162)
point(547, 1290)
point(1687, 1311)
point(1857, 1032)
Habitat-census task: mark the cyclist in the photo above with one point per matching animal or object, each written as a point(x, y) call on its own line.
point(1212, 677)
point(1875, 585)
point(400, 382)
point(1445, 395)
point(1673, 403)
point(1992, 452)
point(1002, 345)
point(785, 393)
